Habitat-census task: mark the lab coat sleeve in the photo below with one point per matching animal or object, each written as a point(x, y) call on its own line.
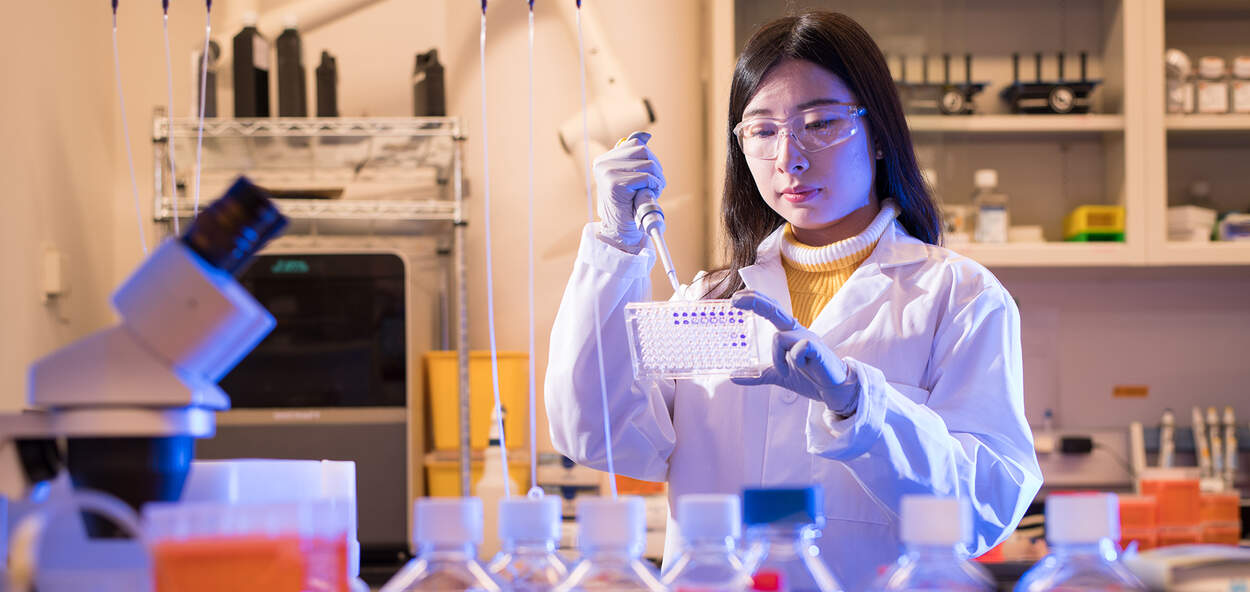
point(968, 439)
point(640, 412)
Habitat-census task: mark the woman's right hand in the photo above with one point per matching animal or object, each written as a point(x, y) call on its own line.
point(619, 174)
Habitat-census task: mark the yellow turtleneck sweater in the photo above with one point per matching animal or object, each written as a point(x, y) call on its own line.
point(815, 274)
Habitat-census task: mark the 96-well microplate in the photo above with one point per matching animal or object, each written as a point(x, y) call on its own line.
point(691, 338)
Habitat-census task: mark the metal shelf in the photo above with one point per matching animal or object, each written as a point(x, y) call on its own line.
point(330, 209)
point(1010, 124)
point(309, 127)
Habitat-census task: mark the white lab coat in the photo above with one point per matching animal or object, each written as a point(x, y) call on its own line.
point(934, 339)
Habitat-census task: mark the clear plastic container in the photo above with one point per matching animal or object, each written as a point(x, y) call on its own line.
point(446, 532)
point(782, 526)
point(935, 531)
point(993, 219)
point(529, 530)
point(1082, 529)
point(685, 339)
point(710, 527)
point(611, 536)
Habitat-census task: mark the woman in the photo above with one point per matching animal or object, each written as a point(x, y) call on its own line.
point(896, 363)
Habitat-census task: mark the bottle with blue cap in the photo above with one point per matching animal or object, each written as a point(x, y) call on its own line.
point(1082, 530)
point(710, 527)
point(935, 531)
point(446, 532)
point(611, 537)
point(529, 530)
point(782, 527)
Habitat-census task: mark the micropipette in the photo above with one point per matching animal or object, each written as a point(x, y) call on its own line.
point(650, 219)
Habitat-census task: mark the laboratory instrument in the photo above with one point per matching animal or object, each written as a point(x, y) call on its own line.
point(129, 401)
point(292, 86)
point(1082, 530)
point(1167, 439)
point(446, 532)
point(650, 218)
point(529, 531)
point(1060, 96)
point(1217, 443)
point(945, 97)
point(429, 98)
point(782, 526)
point(1094, 223)
point(611, 538)
point(686, 339)
point(251, 70)
point(992, 217)
point(1179, 71)
point(709, 560)
point(327, 86)
point(1212, 87)
point(1200, 444)
point(935, 531)
point(1240, 92)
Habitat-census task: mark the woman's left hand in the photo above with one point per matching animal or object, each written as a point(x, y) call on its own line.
point(801, 361)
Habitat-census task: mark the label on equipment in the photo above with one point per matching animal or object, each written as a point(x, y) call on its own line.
point(1212, 97)
point(260, 53)
point(1241, 96)
point(991, 225)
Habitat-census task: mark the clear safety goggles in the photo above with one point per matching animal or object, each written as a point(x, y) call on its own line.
point(813, 129)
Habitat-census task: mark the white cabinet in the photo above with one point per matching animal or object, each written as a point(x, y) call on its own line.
point(1124, 152)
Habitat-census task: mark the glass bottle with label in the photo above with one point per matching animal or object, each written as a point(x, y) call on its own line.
point(991, 208)
point(1212, 88)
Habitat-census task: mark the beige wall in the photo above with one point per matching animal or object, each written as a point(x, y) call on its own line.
point(58, 161)
point(77, 172)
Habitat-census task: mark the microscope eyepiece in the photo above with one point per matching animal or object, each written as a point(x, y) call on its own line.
point(232, 229)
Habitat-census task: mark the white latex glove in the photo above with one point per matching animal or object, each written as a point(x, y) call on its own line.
point(619, 174)
point(801, 361)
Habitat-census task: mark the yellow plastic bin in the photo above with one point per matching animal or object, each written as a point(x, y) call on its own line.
point(443, 382)
point(442, 472)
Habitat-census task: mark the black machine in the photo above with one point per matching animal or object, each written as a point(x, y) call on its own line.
point(1060, 96)
point(945, 97)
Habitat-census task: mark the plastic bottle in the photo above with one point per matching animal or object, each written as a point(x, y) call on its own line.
point(1179, 72)
point(1241, 84)
point(1212, 89)
point(446, 532)
point(327, 86)
point(251, 71)
point(491, 489)
point(782, 526)
point(935, 531)
point(292, 86)
point(611, 536)
point(529, 530)
point(428, 96)
point(1082, 529)
point(710, 527)
point(991, 206)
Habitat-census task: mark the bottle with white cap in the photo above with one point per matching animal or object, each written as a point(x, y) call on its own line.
point(710, 527)
point(992, 217)
point(611, 537)
point(935, 530)
point(446, 532)
point(1081, 529)
point(782, 527)
point(529, 530)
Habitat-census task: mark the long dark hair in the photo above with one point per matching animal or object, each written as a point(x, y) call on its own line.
point(838, 44)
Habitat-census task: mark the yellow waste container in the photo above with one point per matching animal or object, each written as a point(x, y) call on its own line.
point(443, 392)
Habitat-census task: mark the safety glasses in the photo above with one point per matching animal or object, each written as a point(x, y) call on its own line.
point(813, 130)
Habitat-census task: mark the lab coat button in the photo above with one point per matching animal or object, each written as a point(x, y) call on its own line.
point(789, 397)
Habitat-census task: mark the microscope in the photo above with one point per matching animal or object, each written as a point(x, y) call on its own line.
point(118, 411)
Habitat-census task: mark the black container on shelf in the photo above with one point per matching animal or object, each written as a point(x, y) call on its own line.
point(292, 84)
point(251, 73)
point(327, 86)
point(1061, 96)
point(428, 96)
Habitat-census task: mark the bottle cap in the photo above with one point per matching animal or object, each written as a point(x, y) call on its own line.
point(1211, 67)
point(249, 18)
point(529, 519)
point(1082, 518)
point(290, 21)
point(447, 520)
point(1241, 67)
point(932, 520)
point(605, 521)
point(799, 505)
point(1178, 64)
point(985, 179)
point(709, 516)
